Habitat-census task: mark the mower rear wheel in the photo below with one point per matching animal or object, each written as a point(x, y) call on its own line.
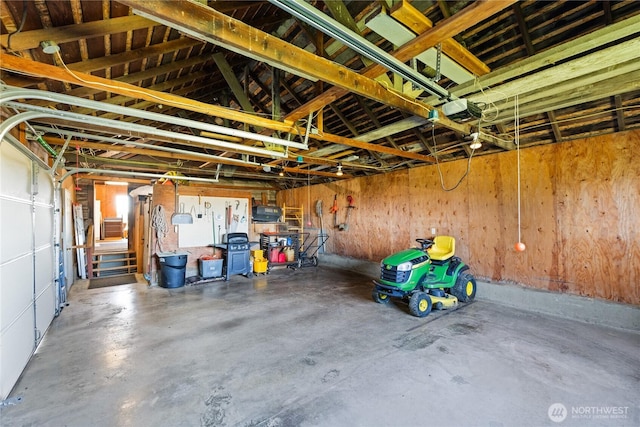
point(465, 288)
point(420, 304)
point(379, 297)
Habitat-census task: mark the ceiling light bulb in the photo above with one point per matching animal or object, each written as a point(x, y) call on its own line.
point(281, 173)
point(50, 47)
point(339, 172)
point(475, 145)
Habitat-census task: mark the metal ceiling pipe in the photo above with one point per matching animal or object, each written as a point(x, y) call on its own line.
point(133, 174)
point(12, 121)
point(74, 117)
point(320, 21)
point(10, 93)
point(212, 157)
point(18, 118)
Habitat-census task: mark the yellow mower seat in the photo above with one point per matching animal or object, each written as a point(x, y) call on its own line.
point(443, 248)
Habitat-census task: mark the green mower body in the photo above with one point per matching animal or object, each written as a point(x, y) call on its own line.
point(413, 276)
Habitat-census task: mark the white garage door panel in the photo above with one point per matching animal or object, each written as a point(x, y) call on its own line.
point(16, 287)
point(15, 229)
point(16, 346)
point(44, 269)
point(27, 265)
point(45, 309)
point(15, 173)
point(44, 225)
point(45, 188)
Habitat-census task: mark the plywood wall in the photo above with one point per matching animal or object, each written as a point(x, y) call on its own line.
point(579, 215)
point(164, 195)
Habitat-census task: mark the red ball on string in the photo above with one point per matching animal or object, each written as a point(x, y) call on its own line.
point(520, 247)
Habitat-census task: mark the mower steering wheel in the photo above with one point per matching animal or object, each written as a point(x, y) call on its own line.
point(425, 243)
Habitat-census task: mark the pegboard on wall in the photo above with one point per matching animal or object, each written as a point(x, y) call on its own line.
point(213, 218)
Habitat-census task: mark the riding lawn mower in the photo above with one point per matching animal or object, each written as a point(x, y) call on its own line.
point(427, 277)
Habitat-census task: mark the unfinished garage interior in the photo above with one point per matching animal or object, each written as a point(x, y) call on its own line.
point(202, 204)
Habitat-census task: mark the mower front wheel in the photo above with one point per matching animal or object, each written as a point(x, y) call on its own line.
point(420, 304)
point(379, 297)
point(465, 288)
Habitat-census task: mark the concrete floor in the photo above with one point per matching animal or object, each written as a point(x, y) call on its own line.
point(310, 348)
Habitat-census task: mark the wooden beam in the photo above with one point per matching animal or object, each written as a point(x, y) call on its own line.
point(241, 185)
point(70, 33)
point(372, 117)
point(448, 28)
point(619, 113)
point(557, 135)
point(109, 61)
point(392, 129)
point(226, 6)
point(14, 63)
point(597, 66)
point(623, 84)
point(232, 81)
point(412, 18)
point(292, 92)
point(169, 155)
point(444, 30)
point(258, 82)
point(336, 139)
point(558, 54)
point(275, 94)
point(210, 25)
point(341, 14)
point(524, 31)
point(598, 84)
point(162, 87)
point(353, 130)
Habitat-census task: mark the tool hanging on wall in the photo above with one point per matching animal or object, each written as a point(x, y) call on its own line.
point(244, 216)
point(319, 213)
point(213, 226)
point(207, 207)
point(345, 226)
point(179, 217)
point(334, 211)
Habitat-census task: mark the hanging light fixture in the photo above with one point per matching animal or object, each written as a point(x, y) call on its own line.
point(281, 173)
point(475, 144)
point(49, 47)
point(339, 172)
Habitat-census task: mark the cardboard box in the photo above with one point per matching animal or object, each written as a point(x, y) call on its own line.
point(210, 268)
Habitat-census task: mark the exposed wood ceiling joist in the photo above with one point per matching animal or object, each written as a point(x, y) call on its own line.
point(571, 64)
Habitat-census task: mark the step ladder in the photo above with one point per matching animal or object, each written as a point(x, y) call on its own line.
point(293, 217)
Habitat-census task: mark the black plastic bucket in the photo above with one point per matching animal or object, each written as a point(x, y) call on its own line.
point(172, 270)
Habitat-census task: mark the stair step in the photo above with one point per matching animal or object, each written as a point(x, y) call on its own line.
point(100, 261)
point(120, 267)
point(114, 261)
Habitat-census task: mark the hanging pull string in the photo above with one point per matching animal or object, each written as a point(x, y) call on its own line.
point(516, 113)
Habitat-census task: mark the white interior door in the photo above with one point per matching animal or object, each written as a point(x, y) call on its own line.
point(27, 268)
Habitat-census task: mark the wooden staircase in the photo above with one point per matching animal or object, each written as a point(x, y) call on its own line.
point(112, 263)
